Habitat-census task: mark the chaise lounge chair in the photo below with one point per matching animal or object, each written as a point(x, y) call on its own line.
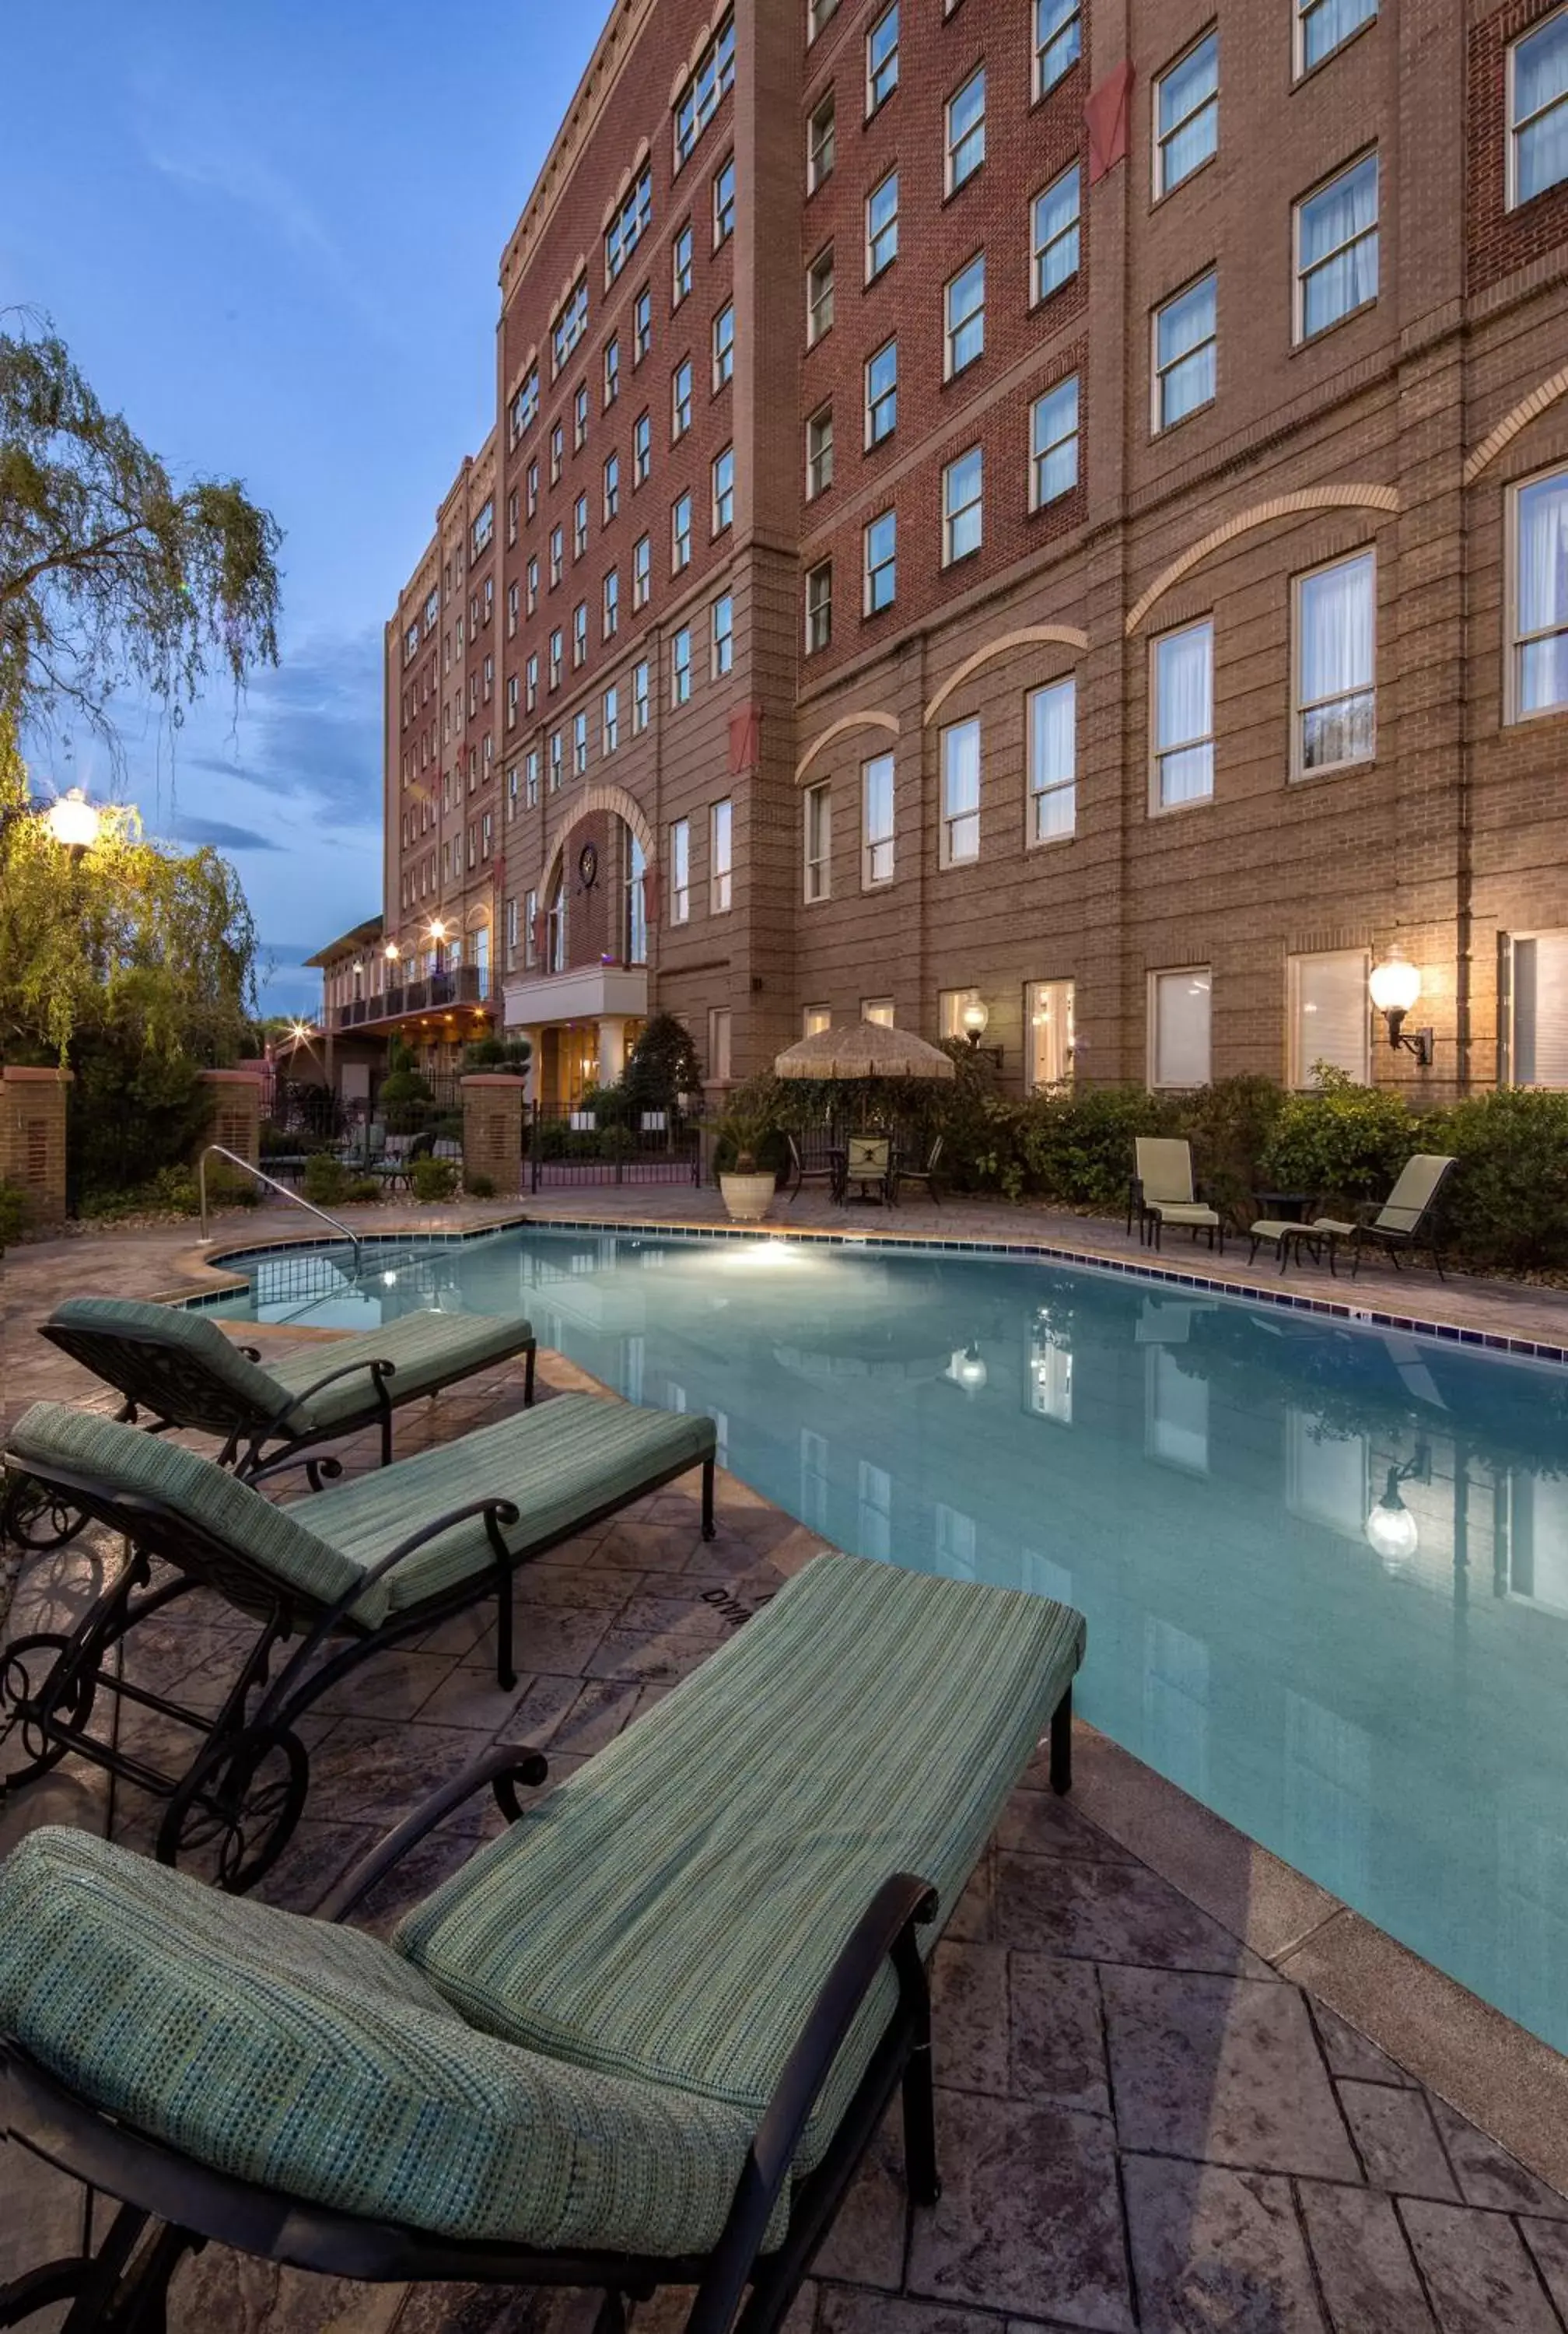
point(642, 2039)
point(1162, 1191)
point(1407, 1218)
point(346, 1571)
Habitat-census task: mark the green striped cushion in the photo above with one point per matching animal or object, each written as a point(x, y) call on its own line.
point(187, 1336)
point(316, 2061)
point(671, 1910)
point(428, 1350)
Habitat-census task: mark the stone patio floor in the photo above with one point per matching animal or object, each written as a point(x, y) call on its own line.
point(1144, 2122)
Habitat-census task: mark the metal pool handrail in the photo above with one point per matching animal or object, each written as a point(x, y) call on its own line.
point(216, 1150)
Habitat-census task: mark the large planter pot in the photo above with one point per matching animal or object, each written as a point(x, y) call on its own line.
point(747, 1198)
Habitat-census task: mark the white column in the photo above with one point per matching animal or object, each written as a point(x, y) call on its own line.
point(611, 1048)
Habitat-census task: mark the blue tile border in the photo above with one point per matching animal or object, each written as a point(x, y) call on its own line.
point(1038, 1251)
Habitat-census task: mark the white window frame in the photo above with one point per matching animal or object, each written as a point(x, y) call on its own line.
point(1040, 251)
point(610, 720)
point(721, 857)
point(681, 533)
point(817, 844)
point(819, 452)
point(723, 346)
point(877, 871)
point(680, 667)
point(820, 296)
point(821, 141)
point(818, 602)
point(681, 396)
point(1041, 999)
point(872, 568)
point(1157, 754)
point(1069, 22)
point(952, 819)
point(1037, 795)
point(725, 183)
point(952, 514)
point(1203, 973)
point(641, 571)
point(1512, 125)
point(680, 872)
point(1157, 372)
point(875, 101)
point(1302, 12)
point(1374, 233)
point(720, 1038)
point(1299, 1055)
point(1299, 766)
point(1509, 1007)
point(872, 403)
point(954, 325)
point(1040, 455)
point(641, 697)
point(878, 235)
point(1515, 641)
point(721, 635)
point(1160, 139)
point(723, 513)
point(951, 147)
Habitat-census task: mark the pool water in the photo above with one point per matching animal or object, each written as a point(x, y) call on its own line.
point(1324, 1566)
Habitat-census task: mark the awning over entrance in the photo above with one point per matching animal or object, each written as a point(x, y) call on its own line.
point(590, 993)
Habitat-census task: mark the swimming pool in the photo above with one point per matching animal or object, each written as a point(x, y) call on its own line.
point(1324, 1568)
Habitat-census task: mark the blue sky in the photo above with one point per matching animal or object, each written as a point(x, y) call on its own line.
point(271, 237)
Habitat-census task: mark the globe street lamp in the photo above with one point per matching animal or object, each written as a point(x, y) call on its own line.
point(74, 822)
point(1395, 985)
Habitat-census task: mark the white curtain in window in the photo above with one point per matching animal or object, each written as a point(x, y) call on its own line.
point(1184, 697)
point(1541, 1010)
point(1540, 87)
point(961, 768)
point(1336, 623)
point(1342, 221)
point(1329, 1014)
point(1543, 594)
point(1329, 22)
point(1051, 752)
point(1181, 1022)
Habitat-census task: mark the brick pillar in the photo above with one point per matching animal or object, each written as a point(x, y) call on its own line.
point(32, 1137)
point(492, 1129)
point(237, 1112)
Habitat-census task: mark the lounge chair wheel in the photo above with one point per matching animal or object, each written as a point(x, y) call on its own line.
point(242, 1799)
point(37, 1520)
point(16, 1690)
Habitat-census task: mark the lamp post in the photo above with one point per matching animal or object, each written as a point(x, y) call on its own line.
point(74, 822)
point(976, 1018)
point(1395, 985)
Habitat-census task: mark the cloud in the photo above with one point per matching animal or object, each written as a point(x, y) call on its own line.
point(241, 175)
point(218, 835)
point(313, 727)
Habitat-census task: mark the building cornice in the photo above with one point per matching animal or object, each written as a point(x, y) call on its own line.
point(608, 61)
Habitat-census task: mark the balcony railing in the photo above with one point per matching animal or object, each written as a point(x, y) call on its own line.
point(469, 984)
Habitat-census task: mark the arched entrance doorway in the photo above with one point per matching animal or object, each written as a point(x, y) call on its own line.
point(581, 998)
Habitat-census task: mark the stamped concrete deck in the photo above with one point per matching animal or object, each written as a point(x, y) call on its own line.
point(1147, 2120)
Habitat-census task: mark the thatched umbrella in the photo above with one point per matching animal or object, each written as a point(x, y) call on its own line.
point(865, 1050)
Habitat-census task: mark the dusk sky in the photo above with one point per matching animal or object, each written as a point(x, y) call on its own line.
point(271, 237)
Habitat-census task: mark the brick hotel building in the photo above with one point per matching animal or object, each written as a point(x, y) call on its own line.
point(1061, 505)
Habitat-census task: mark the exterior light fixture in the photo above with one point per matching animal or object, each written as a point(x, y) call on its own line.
point(437, 930)
point(970, 1369)
point(976, 1018)
point(1395, 985)
point(74, 822)
point(391, 951)
point(301, 1032)
point(1392, 1530)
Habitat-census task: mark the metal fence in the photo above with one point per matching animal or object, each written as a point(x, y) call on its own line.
point(566, 1149)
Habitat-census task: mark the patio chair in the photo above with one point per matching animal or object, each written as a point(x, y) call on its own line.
point(364, 1145)
point(346, 1571)
point(397, 1165)
point(1407, 1219)
point(1162, 1191)
point(867, 1162)
point(926, 1174)
point(642, 2039)
point(823, 1166)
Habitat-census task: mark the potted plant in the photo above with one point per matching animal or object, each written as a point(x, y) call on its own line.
point(747, 1185)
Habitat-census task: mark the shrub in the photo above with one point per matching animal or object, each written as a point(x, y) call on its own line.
point(1341, 1143)
point(16, 1212)
point(433, 1180)
point(1075, 1145)
point(512, 1055)
point(1230, 1126)
point(479, 1187)
point(1506, 1201)
point(326, 1180)
point(173, 1191)
point(363, 1190)
point(663, 1064)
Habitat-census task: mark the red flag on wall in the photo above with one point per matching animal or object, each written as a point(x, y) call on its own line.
point(1105, 114)
point(745, 740)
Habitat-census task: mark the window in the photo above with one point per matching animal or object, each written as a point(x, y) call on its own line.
point(819, 453)
point(571, 322)
point(641, 571)
point(878, 1010)
point(557, 556)
point(1333, 665)
point(882, 58)
point(877, 822)
point(1058, 37)
point(579, 634)
point(530, 487)
point(511, 929)
point(1056, 216)
point(612, 604)
point(1538, 109)
point(818, 14)
point(723, 203)
point(718, 1044)
point(724, 491)
point(1538, 599)
point(530, 928)
point(1336, 249)
point(723, 346)
point(511, 611)
point(512, 701)
point(1183, 717)
point(720, 831)
point(484, 528)
point(819, 144)
point(950, 1004)
point(680, 533)
point(1327, 1007)
point(680, 399)
point(609, 719)
point(882, 541)
point(526, 404)
point(1187, 114)
point(960, 836)
point(579, 526)
point(1185, 331)
point(556, 655)
point(1053, 761)
point(641, 702)
point(511, 522)
point(531, 680)
point(578, 744)
point(966, 130)
point(627, 228)
point(641, 449)
point(1179, 1017)
point(882, 394)
point(680, 872)
point(1534, 1009)
point(555, 763)
point(881, 226)
point(819, 607)
point(611, 370)
point(634, 905)
point(680, 267)
point(700, 98)
point(965, 312)
point(641, 326)
point(963, 484)
point(557, 453)
point(723, 636)
point(531, 779)
point(1053, 443)
point(1321, 25)
point(531, 580)
point(580, 419)
point(1048, 1006)
point(815, 1020)
point(680, 667)
point(820, 297)
point(819, 842)
point(611, 488)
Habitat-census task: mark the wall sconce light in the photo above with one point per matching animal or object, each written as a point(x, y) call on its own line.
point(391, 951)
point(437, 930)
point(1392, 1531)
point(970, 1370)
point(1395, 985)
point(975, 1019)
